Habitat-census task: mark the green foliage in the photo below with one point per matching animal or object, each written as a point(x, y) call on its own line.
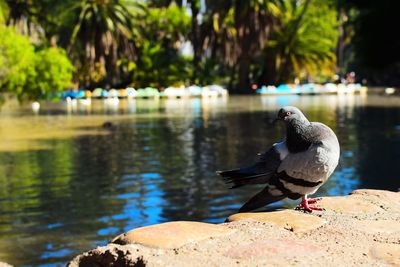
point(171, 23)
point(17, 61)
point(102, 33)
point(29, 74)
point(160, 63)
point(160, 67)
point(54, 72)
point(3, 11)
point(304, 43)
point(121, 42)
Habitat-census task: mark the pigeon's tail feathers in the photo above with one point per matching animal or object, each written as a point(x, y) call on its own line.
point(263, 198)
point(244, 176)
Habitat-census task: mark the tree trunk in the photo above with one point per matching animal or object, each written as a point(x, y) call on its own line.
point(195, 40)
point(243, 84)
point(269, 70)
point(340, 45)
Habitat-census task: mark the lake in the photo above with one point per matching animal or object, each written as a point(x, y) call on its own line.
point(69, 184)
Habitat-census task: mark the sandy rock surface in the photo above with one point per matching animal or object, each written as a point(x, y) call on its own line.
point(288, 219)
point(159, 235)
point(362, 229)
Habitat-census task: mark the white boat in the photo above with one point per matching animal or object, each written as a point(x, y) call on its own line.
point(176, 92)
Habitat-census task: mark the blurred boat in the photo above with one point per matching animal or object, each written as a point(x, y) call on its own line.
point(329, 88)
point(352, 88)
point(73, 94)
point(213, 91)
point(122, 93)
point(218, 89)
point(112, 93)
point(99, 93)
point(194, 90)
point(88, 94)
point(209, 91)
point(175, 92)
point(131, 92)
point(148, 92)
point(312, 89)
point(283, 89)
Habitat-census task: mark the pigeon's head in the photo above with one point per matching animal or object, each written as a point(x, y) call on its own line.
point(290, 113)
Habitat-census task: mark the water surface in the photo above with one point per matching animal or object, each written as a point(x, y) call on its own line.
point(67, 184)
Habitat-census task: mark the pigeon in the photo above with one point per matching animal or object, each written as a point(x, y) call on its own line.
point(293, 168)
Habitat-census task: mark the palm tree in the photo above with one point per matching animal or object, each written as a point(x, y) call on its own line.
point(303, 41)
point(102, 42)
point(24, 16)
point(253, 22)
point(236, 31)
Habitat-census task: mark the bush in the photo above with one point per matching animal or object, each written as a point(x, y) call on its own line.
point(17, 61)
point(53, 72)
point(28, 74)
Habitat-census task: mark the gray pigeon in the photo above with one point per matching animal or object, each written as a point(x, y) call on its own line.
point(293, 168)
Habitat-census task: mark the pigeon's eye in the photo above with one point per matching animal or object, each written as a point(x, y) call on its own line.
point(288, 113)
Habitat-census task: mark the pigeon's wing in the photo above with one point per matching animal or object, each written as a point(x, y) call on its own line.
point(274, 190)
point(261, 171)
point(305, 172)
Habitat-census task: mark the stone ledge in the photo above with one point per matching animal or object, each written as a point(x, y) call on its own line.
point(360, 229)
point(385, 199)
point(349, 204)
point(271, 247)
point(288, 219)
point(388, 253)
point(171, 234)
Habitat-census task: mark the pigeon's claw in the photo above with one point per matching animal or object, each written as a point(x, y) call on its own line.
point(307, 208)
point(304, 204)
point(313, 200)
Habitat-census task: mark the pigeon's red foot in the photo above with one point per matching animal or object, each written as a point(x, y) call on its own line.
point(304, 204)
point(313, 200)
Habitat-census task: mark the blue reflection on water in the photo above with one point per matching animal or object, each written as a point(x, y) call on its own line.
point(56, 254)
point(108, 231)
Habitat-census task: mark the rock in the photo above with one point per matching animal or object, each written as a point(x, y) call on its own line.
point(289, 219)
point(112, 255)
point(384, 194)
point(385, 198)
point(3, 264)
point(172, 234)
point(348, 204)
point(389, 253)
point(378, 226)
point(273, 247)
